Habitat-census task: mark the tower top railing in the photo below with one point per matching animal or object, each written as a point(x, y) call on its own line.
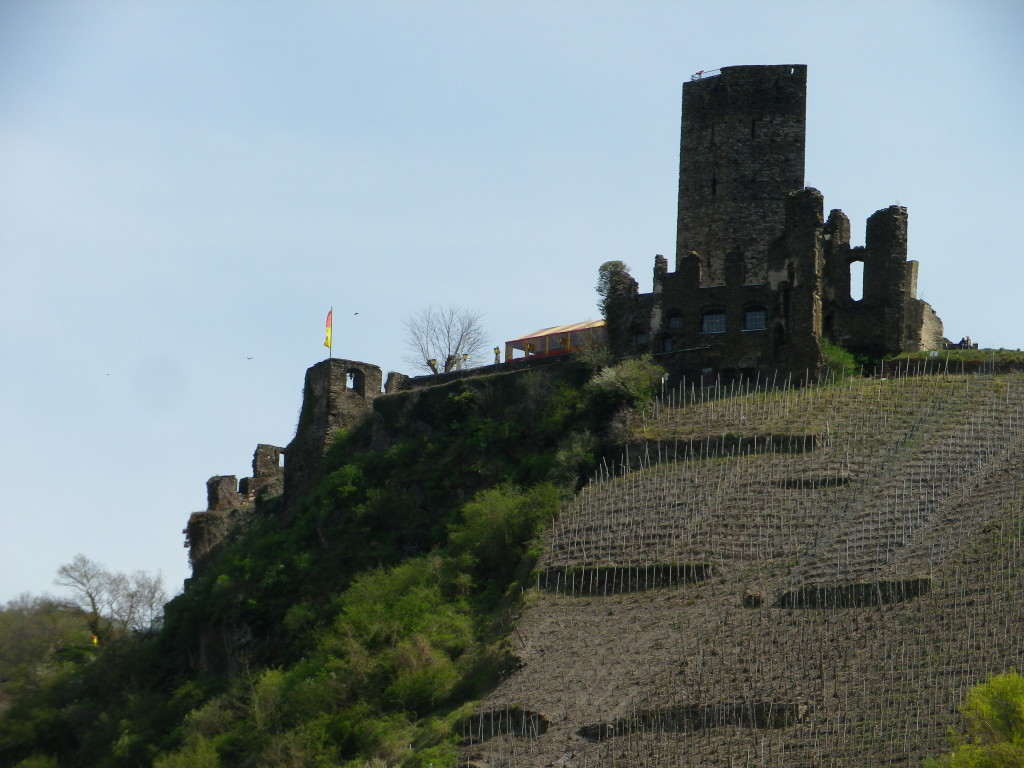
point(700, 75)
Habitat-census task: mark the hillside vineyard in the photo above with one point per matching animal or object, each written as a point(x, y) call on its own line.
point(809, 577)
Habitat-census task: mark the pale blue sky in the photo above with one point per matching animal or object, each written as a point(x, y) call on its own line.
point(184, 185)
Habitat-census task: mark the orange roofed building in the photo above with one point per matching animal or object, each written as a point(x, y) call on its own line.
point(556, 340)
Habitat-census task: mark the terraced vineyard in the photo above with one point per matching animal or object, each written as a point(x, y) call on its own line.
point(807, 577)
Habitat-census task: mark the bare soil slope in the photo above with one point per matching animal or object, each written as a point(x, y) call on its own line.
point(802, 578)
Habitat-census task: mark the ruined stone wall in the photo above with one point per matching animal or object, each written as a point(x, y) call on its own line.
point(706, 331)
point(696, 329)
point(230, 501)
point(741, 154)
point(222, 493)
point(924, 328)
point(795, 266)
point(754, 253)
point(337, 394)
point(805, 299)
point(267, 474)
point(889, 318)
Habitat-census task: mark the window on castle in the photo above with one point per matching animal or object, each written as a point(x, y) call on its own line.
point(857, 280)
point(641, 339)
point(356, 381)
point(755, 319)
point(675, 321)
point(712, 322)
point(666, 344)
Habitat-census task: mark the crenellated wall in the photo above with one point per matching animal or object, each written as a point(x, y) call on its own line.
point(761, 278)
point(888, 318)
point(229, 500)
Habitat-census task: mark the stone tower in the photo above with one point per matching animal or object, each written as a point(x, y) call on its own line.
point(337, 394)
point(761, 279)
point(741, 154)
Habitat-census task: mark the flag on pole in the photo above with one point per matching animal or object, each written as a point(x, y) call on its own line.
point(327, 339)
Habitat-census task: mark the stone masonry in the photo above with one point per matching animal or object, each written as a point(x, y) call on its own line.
point(761, 278)
point(337, 394)
point(741, 154)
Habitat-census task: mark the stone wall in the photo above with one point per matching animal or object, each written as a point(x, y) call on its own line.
point(741, 153)
point(222, 493)
point(888, 318)
point(337, 394)
point(761, 279)
point(229, 501)
point(267, 473)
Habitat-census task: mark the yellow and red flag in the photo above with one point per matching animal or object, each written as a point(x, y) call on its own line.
point(327, 340)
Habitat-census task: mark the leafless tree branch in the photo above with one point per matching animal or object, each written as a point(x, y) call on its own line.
point(113, 602)
point(440, 339)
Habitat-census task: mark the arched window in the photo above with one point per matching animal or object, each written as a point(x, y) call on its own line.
point(675, 321)
point(712, 321)
point(755, 319)
point(666, 344)
point(856, 280)
point(355, 380)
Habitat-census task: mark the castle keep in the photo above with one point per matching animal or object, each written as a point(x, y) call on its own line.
point(760, 277)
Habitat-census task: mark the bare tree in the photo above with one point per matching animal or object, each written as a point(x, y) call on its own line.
point(441, 339)
point(113, 602)
point(87, 579)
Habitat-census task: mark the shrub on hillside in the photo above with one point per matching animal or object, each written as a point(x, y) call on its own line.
point(595, 357)
point(994, 723)
point(497, 526)
point(630, 383)
point(838, 361)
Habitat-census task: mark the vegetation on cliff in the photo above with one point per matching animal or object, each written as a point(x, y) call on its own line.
point(361, 626)
point(809, 576)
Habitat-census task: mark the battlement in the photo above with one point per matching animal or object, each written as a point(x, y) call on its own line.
point(227, 498)
point(761, 279)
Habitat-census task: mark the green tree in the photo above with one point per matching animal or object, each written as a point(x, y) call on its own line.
point(33, 630)
point(614, 282)
point(994, 727)
point(616, 288)
point(498, 525)
point(839, 361)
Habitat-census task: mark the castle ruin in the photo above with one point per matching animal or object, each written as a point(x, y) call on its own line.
point(760, 277)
